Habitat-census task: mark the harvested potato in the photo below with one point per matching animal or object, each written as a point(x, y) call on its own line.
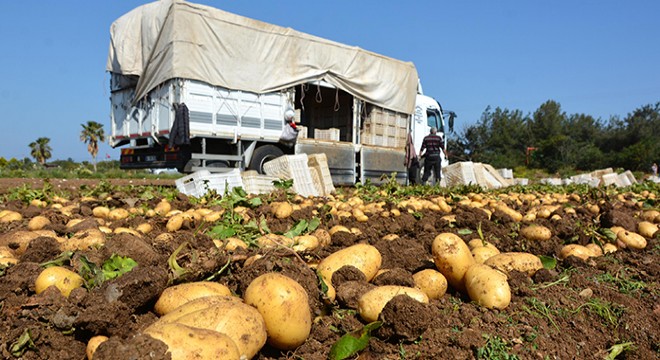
point(19, 240)
point(233, 243)
point(431, 282)
point(536, 232)
point(338, 228)
point(93, 344)
point(281, 210)
point(174, 223)
point(576, 250)
point(273, 240)
point(519, 261)
point(85, 239)
point(609, 248)
point(631, 239)
point(481, 254)
point(196, 305)
point(373, 301)
point(177, 295)
point(38, 222)
point(101, 212)
point(647, 229)
point(305, 242)
point(64, 279)
point(7, 216)
point(513, 214)
point(364, 257)
point(118, 214)
point(189, 343)
point(163, 207)
point(477, 243)
point(595, 249)
point(284, 305)
point(324, 237)
point(488, 287)
point(452, 257)
point(241, 322)
point(144, 228)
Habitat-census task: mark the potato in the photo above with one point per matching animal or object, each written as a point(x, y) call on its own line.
point(431, 282)
point(101, 212)
point(371, 303)
point(281, 210)
point(188, 343)
point(481, 254)
point(284, 305)
point(233, 243)
point(576, 250)
point(338, 228)
point(476, 243)
point(38, 222)
point(144, 228)
point(118, 214)
point(324, 237)
point(595, 249)
point(7, 216)
point(364, 257)
point(536, 232)
point(93, 344)
point(85, 239)
point(513, 214)
point(272, 240)
point(174, 223)
point(241, 322)
point(519, 261)
point(163, 207)
point(452, 257)
point(631, 239)
point(647, 229)
point(19, 240)
point(487, 287)
point(196, 305)
point(64, 279)
point(609, 248)
point(177, 295)
point(305, 242)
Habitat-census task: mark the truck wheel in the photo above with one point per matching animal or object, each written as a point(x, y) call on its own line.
point(263, 155)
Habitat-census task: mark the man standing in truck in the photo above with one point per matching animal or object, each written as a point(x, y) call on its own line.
point(430, 151)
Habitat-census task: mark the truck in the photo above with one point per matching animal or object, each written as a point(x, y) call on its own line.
point(194, 87)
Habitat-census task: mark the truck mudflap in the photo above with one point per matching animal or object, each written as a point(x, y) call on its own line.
point(154, 157)
point(379, 163)
point(341, 158)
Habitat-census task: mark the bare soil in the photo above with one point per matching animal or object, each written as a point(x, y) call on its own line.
point(579, 310)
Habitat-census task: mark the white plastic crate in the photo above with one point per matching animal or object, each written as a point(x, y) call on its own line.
point(255, 183)
point(327, 134)
point(293, 167)
point(188, 184)
point(320, 163)
point(221, 181)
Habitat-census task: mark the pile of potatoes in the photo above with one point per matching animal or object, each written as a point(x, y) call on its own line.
point(204, 320)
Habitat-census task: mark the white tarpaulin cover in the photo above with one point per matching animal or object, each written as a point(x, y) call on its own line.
point(177, 39)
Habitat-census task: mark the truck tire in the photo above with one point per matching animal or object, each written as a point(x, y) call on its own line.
point(262, 155)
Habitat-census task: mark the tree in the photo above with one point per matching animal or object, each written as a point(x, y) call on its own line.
point(40, 150)
point(91, 134)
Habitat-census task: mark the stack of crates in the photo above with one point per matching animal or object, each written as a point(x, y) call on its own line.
point(385, 128)
point(293, 167)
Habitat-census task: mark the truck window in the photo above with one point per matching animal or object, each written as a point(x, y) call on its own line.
point(433, 119)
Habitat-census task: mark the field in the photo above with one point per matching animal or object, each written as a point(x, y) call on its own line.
point(596, 307)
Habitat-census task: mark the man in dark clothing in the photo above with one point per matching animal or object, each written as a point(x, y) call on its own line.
point(430, 151)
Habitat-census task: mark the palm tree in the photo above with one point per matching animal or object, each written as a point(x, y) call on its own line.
point(40, 150)
point(91, 134)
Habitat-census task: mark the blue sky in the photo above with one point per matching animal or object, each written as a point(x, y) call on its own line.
point(600, 58)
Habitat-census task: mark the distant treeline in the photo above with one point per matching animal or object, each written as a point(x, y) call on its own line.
point(551, 140)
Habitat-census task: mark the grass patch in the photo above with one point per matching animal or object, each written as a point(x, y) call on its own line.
point(495, 349)
point(540, 309)
point(608, 312)
point(623, 283)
